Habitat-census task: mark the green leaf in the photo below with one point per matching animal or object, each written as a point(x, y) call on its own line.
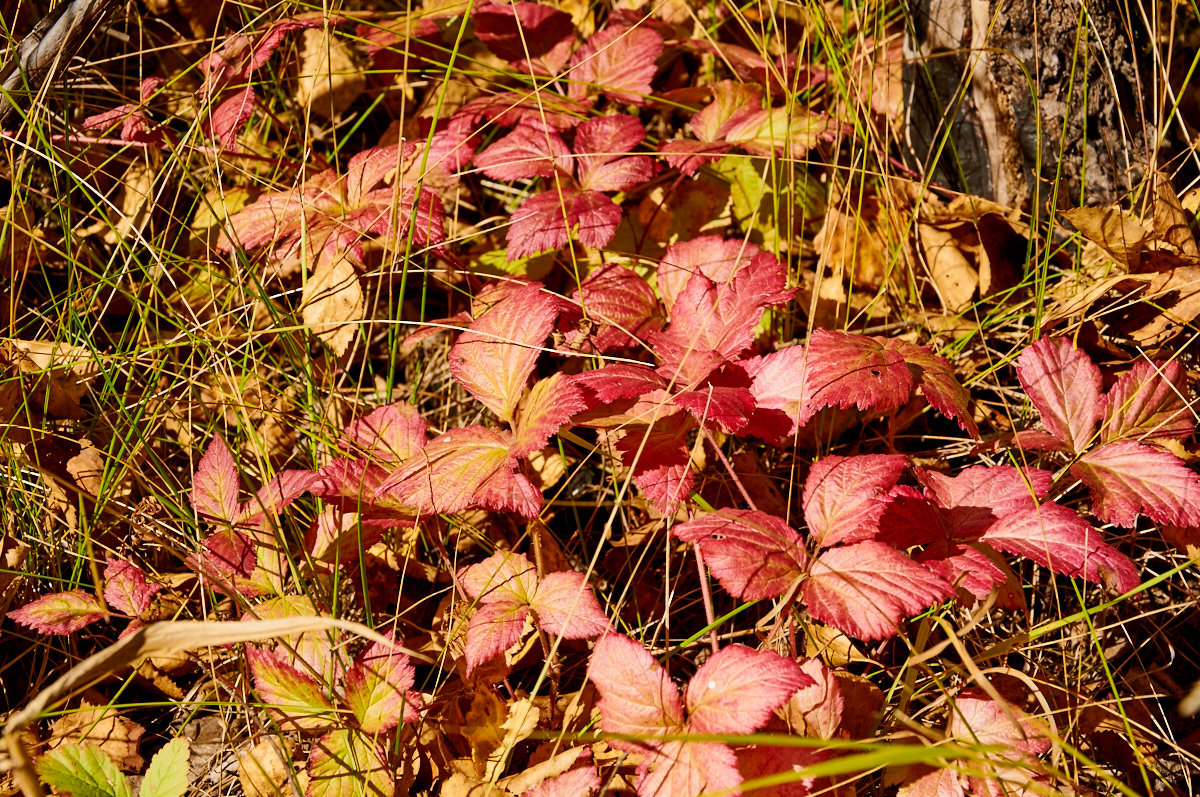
point(348, 763)
point(82, 772)
point(168, 770)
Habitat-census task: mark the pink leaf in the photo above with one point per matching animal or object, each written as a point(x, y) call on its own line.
point(966, 565)
point(296, 699)
point(760, 761)
point(528, 151)
point(215, 485)
point(866, 589)
point(276, 495)
point(1148, 401)
point(689, 768)
point(939, 384)
point(541, 223)
point(566, 607)
point(600, 144)
point(848, 370)
point(377, 689)
point(494, 628)
point(753, 554)
point(229, 117)
point(126, 588)
point(462, 468)
point(1129, 478)
point(388, 434)
point(60, 612)
point(1057, 538)
point(780, 386)
point(979, 719)
point(1064, 385)
point(711, 255)
point(617, 61)
point(579, 781)
point(738, 688)
point(620, 302)
point(522, 30)
point(844, 496)
point(548, 405)
point(978, 496)
point(494, 358)
point(636, 696)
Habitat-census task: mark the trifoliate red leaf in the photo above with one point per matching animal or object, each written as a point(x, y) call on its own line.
point(753, 554)
point(386, 435)
point(215, 484)
point(711, 255)
point(738, 688)
point(620, 307)
point(530, 150)
point(844, 497)
point(521, 30)
point(618, 62)
point(847, 370)
point(866, 589)
point(494, 358)
point(1064, 384)
point(1128, 479)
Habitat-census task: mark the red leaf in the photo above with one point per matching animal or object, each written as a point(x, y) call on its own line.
point(660, 460)
point(528, 151)
point(978, 719)
point(522, 30)
point(619, 381)
point(548, 405)
point(215, 485)
point(1057, 538)
point(60, 612)
point(1064, 385)
point(276, 495)
point(229, 551)
point(727, 407)
point(730, 98)
point(617, 61)
point(620, 302)
point(565, 606)
point(494, 358)
point(1129, 478)
point(636, 696)
point(759, 761)
point(977, 497)
point(866, 589)
point(690, 156)
point(600, 144)
point(781, 385)
point(462, 468)
point(782, 130)
point(580, 780)
point(541, 223)
point(229, 117)
point(738, 688)
point(377, 689)
point(294, 698)
point(1148, 401)
point(939, 384)
point(711, 255)
point(753, 554)
point(596, 215)
point(966, 565)
point(848, 370)
point(689, 768)
point(126, 588)
point(844, 497)
point(388, 434)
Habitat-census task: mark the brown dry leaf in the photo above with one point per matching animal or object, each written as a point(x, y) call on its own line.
point(266, 769)
point(87, 468)
point(333, 303)
point(1184, 539)
point(953, 275)
point(104, 728)
point(1119, 232)
point(137, 195)
point(522, 720)
point(328, 80)
point(832, 646)
point(1173, 297)
point(462, 785)
point(849, 245)
point(550, 768)
point(13, 553)
point(862, 701)
point(1172, 223)
point(54, 378)
point(548, 467)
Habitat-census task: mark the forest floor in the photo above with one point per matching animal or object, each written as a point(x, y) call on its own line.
point(567, 399)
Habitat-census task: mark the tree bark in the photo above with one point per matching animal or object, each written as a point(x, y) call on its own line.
point(1026, 102)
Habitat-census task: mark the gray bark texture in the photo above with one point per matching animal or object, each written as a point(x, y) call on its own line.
point(1005, 96)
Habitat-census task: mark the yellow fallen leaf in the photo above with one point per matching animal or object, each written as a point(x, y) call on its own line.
point(333, 303)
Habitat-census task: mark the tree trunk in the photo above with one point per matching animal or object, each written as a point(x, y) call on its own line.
point(1026, 102)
